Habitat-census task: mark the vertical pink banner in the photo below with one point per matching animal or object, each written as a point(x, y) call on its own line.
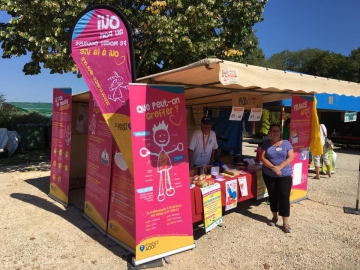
point(61, 145)
point(122, 223)
point(98, 166)
point(300, 128)
point(161, 170)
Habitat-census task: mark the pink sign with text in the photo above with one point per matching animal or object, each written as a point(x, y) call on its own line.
point(61, 144)
point(300, 128)
point(98, 166)
point(161, 169)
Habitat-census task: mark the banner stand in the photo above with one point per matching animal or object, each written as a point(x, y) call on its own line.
point(355, 210)
point(126, 247)
point(94, 224)
point(135, 263)
point(58, 200)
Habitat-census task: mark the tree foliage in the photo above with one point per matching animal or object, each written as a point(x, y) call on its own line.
point(2, 98)
point(173, 32)
point(319, 63)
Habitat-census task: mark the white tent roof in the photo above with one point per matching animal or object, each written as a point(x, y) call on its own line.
point(210, 82)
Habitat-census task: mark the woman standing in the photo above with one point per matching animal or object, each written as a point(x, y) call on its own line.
point(276, 156)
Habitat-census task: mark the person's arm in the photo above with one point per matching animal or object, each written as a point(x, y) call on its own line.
point(267, 163)
point(288, 160)
point(212, 158)
point(190, 152)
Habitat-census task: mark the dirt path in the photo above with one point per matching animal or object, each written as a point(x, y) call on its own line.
point(38, 233)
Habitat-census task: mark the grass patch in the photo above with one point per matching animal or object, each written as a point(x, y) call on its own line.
point(26, 156)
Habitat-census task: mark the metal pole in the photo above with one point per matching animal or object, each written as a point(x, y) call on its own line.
point(358, 191)
point(356, 211)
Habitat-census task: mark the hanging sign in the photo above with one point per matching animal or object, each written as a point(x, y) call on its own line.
point(350, 117)
point(236, 114)
point(246, 100)
point(255, 114)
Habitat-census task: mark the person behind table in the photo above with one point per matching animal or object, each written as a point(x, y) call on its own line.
point(276, 156)
point(325, 156)
point(286, 130)
point(202, 144)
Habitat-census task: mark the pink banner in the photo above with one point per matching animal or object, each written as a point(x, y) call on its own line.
point(102, 50)
point(98, 166)
point(122, 202)
point(300, 128)
point(61, 144)
point(101, 46)
point(161, 170)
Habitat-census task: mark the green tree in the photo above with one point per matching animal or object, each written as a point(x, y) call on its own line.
point(173, 32)
point(328, 64)
point(354, 65)
point(2, 98)
point(288, 60)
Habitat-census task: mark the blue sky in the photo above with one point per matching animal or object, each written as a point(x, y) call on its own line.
point(331, 25)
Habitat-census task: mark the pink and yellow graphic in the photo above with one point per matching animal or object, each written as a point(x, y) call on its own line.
point(300, 129)
point(98, 169)
point(101, 46)
point(162, 195)
point(61, 145)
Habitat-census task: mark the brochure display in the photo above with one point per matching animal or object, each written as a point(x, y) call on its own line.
point(61, 145)
point(300, 128)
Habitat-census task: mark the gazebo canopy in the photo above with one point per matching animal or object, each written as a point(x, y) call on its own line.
point(211, 82)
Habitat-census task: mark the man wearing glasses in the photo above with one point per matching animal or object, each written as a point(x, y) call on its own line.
point(202, 144)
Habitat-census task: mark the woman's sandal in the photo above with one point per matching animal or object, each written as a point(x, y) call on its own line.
point(273, 222)
point(286, 228)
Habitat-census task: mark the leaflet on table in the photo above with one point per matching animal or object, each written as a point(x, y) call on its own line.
point(98, 167)
point(231, 194)
point(159, 143)
point(61, 144)
point(212, 206)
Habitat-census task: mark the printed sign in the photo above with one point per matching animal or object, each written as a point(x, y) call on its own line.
point(98, 167)
point(236, 114)
point(255, 114)
point(247, 101)
point(231, 194)
point(212, 206)
point(261, 190)
point(350, 116)
point(243, 186)
point(300, 129)
point(61, 145)
point(161, 169)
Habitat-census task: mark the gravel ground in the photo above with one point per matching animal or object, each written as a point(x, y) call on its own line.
point(38, 233)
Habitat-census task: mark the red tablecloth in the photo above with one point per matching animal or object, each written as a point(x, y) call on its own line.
point(196, 196)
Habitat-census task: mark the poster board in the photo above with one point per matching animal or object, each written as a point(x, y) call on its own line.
point(300, 128)
point(61, 145)
point(98, 168)
point(161, 171)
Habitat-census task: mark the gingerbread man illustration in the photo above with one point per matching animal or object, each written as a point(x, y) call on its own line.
point(161, 137)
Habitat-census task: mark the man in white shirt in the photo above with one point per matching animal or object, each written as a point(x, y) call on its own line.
point(202, 144)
